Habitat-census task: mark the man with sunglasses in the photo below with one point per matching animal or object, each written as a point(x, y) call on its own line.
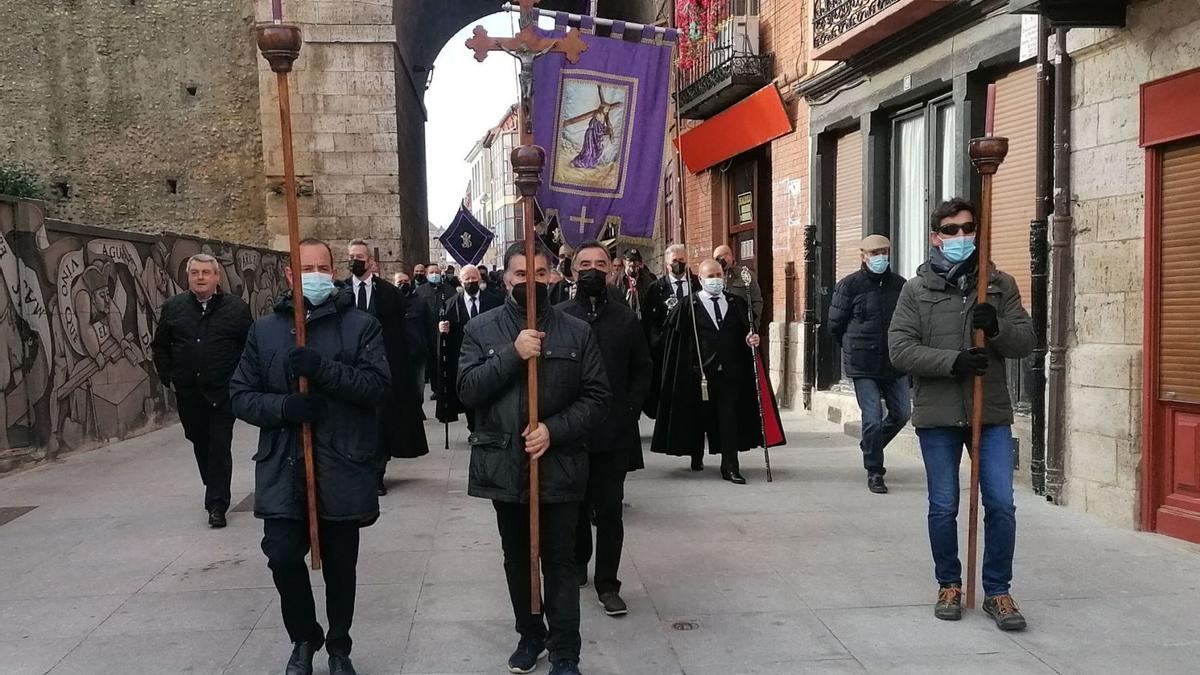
point(930, 338)
point(862, 308)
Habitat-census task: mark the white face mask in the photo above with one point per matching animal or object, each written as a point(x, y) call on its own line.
point(713, 286)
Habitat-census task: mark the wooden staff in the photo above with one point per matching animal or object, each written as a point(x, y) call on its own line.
point(280, 46)
point(987, 154)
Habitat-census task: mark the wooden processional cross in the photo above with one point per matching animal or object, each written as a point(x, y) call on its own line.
point(528, 161)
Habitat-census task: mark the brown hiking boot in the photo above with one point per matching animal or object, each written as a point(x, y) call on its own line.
point(949, 603)
point(1005, 611)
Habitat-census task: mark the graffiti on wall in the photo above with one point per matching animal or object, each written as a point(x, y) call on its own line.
point(77, 315)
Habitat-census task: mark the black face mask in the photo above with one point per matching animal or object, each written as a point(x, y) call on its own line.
point(406, 289)
point(677, 268)
point(419, 278)
point(564, 266)
point(592, 283)
point(471, 287)
point(722, 262)
point(540, 292)
point(358, 267)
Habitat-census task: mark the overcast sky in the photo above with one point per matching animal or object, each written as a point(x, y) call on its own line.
point(467, 98)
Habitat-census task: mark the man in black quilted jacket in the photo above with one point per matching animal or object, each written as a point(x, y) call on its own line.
point(197, 344)
point(573, 399)
point(863, 304)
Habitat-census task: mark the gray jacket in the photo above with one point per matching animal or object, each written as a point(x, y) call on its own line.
point(932, 324)
point(573, 399)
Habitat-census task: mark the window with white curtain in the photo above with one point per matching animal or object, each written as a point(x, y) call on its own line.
point(923, 154)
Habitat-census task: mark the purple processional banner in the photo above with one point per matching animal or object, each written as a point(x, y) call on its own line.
point(603, 124)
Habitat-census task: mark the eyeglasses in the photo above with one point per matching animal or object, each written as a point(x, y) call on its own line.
point(952, 229)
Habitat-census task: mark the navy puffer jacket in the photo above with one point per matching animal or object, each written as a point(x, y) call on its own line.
point(354, 379)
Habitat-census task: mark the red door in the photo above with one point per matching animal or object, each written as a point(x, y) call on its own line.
point(1171, 432)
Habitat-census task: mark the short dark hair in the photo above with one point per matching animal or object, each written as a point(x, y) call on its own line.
point(450, 269)
point(592, 243)
point(313, 241)
point(950, 208)
point(518, 248)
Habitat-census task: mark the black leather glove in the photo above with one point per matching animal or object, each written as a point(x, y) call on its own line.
point(303, 408)
point(972, 361)
point(984, 318)
point(305, 362)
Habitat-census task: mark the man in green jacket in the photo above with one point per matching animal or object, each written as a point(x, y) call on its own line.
point(930, 338)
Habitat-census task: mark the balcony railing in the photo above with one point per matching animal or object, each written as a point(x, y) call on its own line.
point(842, 28)
point(725, 69)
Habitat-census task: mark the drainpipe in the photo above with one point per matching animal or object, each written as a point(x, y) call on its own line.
point(812, 301)
point(1039, 245)
point(1062, 270)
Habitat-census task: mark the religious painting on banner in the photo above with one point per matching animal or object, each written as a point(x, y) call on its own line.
point(603, 123)
point(466, 240)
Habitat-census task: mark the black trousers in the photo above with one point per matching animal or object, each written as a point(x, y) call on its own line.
point(210, 429)
point(285, 542)
point(605, 491)
point(719, 413)
point(561, 600)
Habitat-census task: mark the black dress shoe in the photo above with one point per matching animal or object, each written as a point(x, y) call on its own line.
point(340, 665)
point(302, 658)
point(734, 476)
point(697, 464)
point(875, 484)
point(380, 488)
point(216, 519)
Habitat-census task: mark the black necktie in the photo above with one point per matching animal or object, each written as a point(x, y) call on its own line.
point(474, 308)
point(679, 289)
point(717, 310)
point(362, 296)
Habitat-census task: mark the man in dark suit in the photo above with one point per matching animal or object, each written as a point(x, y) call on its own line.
point(615, 447)
point(401, 433)
point(728, 416)
point(675, 285)
point(434, 294)
point(458, 311)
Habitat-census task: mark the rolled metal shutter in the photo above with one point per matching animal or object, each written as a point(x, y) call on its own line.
point(1179, 302)
point(1014, 188)
point(849, 203)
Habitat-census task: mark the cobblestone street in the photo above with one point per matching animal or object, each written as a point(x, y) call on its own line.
point(115, 571)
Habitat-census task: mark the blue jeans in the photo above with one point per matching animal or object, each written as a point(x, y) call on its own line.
point(877, 431)
point(941, 448)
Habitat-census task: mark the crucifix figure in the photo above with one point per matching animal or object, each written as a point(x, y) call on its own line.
point(583, 220)
point(528, 161)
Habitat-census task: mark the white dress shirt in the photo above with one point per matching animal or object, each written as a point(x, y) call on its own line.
point(687, 283)
point(468, 299)
point(368, 284)
point(706, 299)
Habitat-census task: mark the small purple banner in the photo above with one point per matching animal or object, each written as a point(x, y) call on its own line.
point(603, 124)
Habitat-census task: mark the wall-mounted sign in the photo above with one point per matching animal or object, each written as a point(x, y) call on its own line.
point(746, 249)
point(745, 203)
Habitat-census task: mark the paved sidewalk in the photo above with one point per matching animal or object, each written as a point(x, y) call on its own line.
point(115, 571)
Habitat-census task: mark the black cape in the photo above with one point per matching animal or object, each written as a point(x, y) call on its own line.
point(680, 421)
point(450, 348)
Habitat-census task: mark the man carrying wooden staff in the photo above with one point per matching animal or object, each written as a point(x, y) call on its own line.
point(348, 375)
point(931, 339)
point(497, 351)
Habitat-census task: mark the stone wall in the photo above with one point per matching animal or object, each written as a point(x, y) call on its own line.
point(141, 115)
point(1104, 362)
point(78, 309)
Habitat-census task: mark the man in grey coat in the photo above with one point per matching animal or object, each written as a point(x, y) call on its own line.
point(573, 397)
point(930, 338)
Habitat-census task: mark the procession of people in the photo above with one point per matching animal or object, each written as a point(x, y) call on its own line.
point(613, 342)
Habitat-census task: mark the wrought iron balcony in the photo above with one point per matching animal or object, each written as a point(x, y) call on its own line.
point(842, 28)
point(726, 68)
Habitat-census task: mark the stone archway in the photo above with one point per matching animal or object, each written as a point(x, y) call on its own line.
point(359, 115)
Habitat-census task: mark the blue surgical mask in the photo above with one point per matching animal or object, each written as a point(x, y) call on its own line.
point(878, 263)
point(317, 287)
point(435, 279)
point(713, 286)
point(958, 249)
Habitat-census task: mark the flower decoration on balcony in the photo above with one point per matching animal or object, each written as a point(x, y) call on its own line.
point(697, 21)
